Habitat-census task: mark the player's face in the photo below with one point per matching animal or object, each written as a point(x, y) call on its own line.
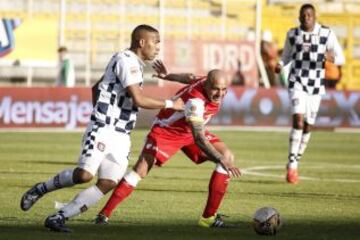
point(151, 46)
point(307, 19)
point(216, 90)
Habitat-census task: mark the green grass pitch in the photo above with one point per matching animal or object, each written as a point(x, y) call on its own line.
point(168, 203)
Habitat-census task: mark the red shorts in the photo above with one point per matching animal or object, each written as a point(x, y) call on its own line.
point(163, 144)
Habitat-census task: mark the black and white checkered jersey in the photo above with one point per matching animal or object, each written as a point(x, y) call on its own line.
point(114, 105)
point(306, 52)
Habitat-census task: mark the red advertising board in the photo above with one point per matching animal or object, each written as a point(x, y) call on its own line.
point(199, 57)
point(71, 107)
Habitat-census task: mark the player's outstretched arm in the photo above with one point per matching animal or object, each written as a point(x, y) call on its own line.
point(213, 155)
point(161, 72)
point(149, 103)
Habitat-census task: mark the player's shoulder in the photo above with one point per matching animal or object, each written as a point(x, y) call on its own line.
point(127, 57)
point(293, 31)
point(197, 89)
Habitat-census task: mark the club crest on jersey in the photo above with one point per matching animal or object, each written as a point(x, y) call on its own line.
point(101, 146)
point(133, 70)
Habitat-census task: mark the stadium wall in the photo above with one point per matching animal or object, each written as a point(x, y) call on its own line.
point(70, 108)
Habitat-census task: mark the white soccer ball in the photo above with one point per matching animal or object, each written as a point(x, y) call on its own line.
point(267, 221)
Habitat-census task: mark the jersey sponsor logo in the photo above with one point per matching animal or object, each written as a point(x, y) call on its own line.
point(101, 146)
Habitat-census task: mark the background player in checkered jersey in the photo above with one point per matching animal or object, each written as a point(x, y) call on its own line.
point(173, 131)
point(106, 142)
point(306, 48)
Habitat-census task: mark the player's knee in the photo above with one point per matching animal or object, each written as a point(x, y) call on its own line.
point(82, 176)
point(298, 124)
point(106, 185)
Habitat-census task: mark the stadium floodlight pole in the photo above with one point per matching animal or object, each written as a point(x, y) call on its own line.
point(121, 23)
point(88, 44)
point(162, 34)
point(189, 19)
point(223, 18)
point(62, 18)
point(259, 59)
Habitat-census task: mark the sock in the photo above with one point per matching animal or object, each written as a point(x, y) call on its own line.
point(294, 144)
point(217, 188)
point(63, 179)
point(123, 190)
point(82, 201)
point(304, 141)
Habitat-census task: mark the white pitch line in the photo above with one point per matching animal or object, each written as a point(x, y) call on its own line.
point(254, 171)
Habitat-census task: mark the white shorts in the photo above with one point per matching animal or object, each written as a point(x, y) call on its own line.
point(305, 104)
point(105, 151)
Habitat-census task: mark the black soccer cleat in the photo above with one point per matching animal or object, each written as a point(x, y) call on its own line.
point(56, 223)
point(101, 219)
point(30, 197)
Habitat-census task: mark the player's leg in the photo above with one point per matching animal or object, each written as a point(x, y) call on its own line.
point(298, 107)
point(126, 186)
point(65, 178)
point(156, 150)
point(88, 165)
point(218, 185)
point(218, 182)
point(312, 108)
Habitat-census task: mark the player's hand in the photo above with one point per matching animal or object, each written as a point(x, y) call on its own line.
point(178, 104)
point(278, 68)
point(228, 165)
point(330, 56)
point(160, 69)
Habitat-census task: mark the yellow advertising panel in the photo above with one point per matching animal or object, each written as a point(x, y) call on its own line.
point(35, 40)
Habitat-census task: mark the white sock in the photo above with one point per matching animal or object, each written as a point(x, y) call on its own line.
point(304, 141)
point(294, 144)
point(132, 178)
point(63, 179)
point(82, 201)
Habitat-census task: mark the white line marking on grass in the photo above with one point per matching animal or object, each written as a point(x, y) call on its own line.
point(256, 171)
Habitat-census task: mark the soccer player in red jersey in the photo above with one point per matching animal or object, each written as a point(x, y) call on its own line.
point(175, 130)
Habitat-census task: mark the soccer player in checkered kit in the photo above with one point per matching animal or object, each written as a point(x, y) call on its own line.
point(173, 131)
point(106, 142)
point(306, 48)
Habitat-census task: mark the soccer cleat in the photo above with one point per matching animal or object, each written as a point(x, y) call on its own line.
point(216, 221)
point(56, 223)
point(292, 176)
point(30, 197)
point(101, 219)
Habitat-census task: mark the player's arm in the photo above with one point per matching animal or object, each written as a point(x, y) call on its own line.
point(334, 52)
point(130, 76)
point(149, 103)
point(194, 111)
point(161, 72)
point(286, 55)
point(95, 92)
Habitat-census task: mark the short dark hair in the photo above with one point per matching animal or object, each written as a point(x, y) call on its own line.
point(136, 34)
point(306, 6)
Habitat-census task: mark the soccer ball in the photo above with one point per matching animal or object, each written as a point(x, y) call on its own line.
point(266, 221)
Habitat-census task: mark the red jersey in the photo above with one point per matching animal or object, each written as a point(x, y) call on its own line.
point(173, 121)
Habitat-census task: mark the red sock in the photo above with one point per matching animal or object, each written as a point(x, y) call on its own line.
point(217, 188)
point(122, 190)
